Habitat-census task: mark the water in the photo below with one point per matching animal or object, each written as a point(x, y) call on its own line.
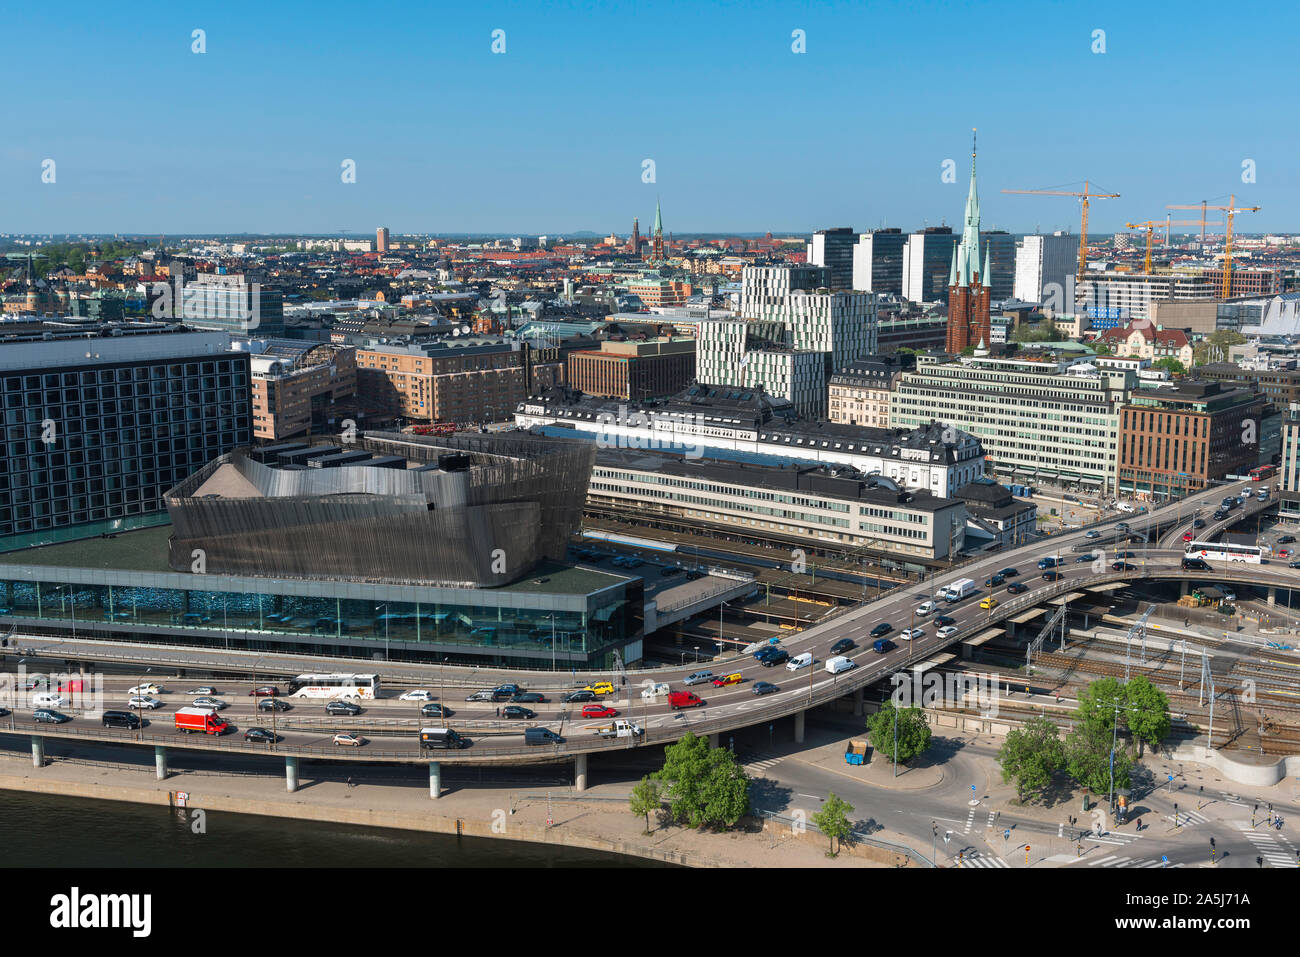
point(49, 830)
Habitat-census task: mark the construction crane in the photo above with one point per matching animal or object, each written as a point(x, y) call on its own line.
point(1085, 196)
point(1151, 225)
point(1232, 209)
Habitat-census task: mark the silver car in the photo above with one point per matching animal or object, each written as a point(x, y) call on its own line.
point(206, 702)
point(698, 678)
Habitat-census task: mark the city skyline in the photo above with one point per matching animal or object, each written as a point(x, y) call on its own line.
point(250, 135)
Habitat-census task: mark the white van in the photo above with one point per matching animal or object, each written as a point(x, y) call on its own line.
point(839, 663)
point(926, 608)
point(654, 691)
point(48, 700)
point(799, 661)
point(1125, 507)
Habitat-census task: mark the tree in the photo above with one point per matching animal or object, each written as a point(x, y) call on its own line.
point(706, 788)
point(1097, 703)
point(968, 351)
point(833, 820)
point(913, 732)
point(1087, 759)
point(1173, 365)
point(1147, 712)
point(646, 798)
point(1101, 348)
point(1215, 347)
point(1030, 755)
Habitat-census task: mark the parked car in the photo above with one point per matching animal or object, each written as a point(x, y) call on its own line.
point(764, 687)
point(698, 678)
point(203, 689)
point(416, 695)
point(598, 711)
point(144, 701)
point(49, 716)
point(266, 691)
point(206, 701)
point(340, 708)
point(351, 740)
point(581, 694)
point(883, 628)
point(260, 734)
point(844, 644)
point(274, 704)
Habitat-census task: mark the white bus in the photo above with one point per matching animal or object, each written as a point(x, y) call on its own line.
point(1222, 552)
point(334, 686)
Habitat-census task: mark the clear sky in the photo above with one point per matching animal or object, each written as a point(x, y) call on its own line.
point(551, 135)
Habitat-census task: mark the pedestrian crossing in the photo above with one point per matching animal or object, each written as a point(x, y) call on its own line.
point(976, 859)
point(1118, 861)
point(1187, 819)
point(1111, 837)
point(1267, 847)
point(993, 816)
point(970, 821)
point(762, 761)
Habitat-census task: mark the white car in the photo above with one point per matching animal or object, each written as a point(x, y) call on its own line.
point(652, 691)
point(907, 634)
point(416, 696)
point(145, 689)
point(144, 701)
point(946, 630)
point(926, 608)
point(1228, 593)
point(352, 740)
point(202, 689)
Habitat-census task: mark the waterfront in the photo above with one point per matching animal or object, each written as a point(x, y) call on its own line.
point(50, 830)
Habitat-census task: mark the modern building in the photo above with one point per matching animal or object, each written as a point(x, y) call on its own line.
point(878, 262)
point(927, 257)
point(447, 380)
point(1178, 438)
point(1000, 250)
point(833, 248)
point(918, 333)
point(786, 506)
point(1044, 262)
point(719, 421)
point(1039, 419)
point(1280, 386)
point(99, 424)
point(660, 291)
point(635, 369)
point(1289, 469)
point(300, 387)
point(229, 302)
point(860, 394)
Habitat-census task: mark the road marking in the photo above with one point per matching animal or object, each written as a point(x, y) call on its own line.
point(1103, 860)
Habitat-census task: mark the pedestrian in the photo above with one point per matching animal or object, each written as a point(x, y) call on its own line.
point(498, 712)
point(349, 780)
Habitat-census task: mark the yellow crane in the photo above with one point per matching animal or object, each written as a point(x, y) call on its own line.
point(1151, 225)
point(1085, 196)
point(1232, 209)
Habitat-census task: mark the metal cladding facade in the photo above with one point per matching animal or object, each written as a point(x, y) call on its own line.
point(516, 504)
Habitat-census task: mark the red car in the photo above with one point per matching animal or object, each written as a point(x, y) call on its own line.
point(1284, 553)
point(598, 711)
point(1187, 536)
point(266, 691)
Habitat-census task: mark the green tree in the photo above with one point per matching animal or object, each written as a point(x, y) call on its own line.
point(1097, 703)
point(646, 798)
point(706, 787)
point(1147, 712)
point(913, 732)
point(1101, 348)
point(1173, 365)
point(1030, 755)
point(833, 820)
point(1214, 348)
point(1087, 759)
point(968, 351)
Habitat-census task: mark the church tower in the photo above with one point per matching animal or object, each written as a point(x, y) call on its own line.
point(968, 288)
point(657, 248)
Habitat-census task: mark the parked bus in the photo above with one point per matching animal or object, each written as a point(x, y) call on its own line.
point(1223, 552)
point(334, 686)
point(1262, 473)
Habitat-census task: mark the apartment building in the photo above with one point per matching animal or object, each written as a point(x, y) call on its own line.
point(456, 380)
point(860, 394)
point(1146, 340)
point(302, 388)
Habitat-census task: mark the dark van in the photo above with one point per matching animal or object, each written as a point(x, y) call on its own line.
point(122, 719)
point(541, 736)
point(442, 739)
point(1195, 565)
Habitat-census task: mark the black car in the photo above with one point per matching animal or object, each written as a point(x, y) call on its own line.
point(1219, 516)
point(763, 687)
point(1121, 527)
point(121, 719)
point(1286, 540)
point(515, 711)
point(434, 710)
point(1201, 565)
point(779, 657)
point(1200, 523)
point(5, 712)
point(273, 704)
point(1121, 567)
point(260, 734)
point(1009, 572)
point(1125, 555)
point(942, 620)
point(672, 570)
point(1050, 576)
point(504, 692)
point(843, 645)
point(1015, 588)
point(529, 697)
point(883, 628)
point(764, 653)
point(1085, 557)
point(342, 707)
point(993, 581)
point(581, 695)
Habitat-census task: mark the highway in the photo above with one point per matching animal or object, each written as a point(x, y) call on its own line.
point(392, 725)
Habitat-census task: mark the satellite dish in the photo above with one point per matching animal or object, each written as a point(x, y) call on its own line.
point(455, 332)
point(464, 330)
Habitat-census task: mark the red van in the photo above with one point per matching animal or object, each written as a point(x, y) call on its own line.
point(683, 699)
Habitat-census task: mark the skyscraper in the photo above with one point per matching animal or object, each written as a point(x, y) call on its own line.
point(1043, 261)
point(833, 248)
point(926, 257)
point(968, 295)
point(381, 239)
point(878, 261)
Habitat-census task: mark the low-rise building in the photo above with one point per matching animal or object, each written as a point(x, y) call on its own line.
point(860, 394)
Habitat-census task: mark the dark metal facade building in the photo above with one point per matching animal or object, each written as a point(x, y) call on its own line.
point(496, 506)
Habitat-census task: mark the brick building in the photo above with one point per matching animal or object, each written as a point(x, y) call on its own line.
point(464, 381)
point(634, 370)
point(300, 388)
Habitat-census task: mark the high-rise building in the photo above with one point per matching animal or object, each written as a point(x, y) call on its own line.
point(635, 242)
point(102, 424)
point(833, 248)
point(1043, 262)
point(878, 261)
point(968, 293)
point(229, 303)
point(1000, 247)
point(381, 239)
point(926, 257)
point(301, 388)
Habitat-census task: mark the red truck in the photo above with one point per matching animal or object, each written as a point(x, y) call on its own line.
point(683, 699)
point(206, 720)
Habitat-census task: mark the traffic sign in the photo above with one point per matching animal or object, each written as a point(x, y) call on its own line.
point(1006, 835)
point(1164, 860)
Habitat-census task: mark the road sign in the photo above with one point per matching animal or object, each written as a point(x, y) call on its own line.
point(1164, 860)
point(1006, 835)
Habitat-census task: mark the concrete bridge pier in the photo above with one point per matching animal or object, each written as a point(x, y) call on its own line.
point(799, 726)
point(435, 780)
point(858, 696)
point(160, 762)
point(1272, 596)
point(290, 773)
point(38, 751)
point(580, 772)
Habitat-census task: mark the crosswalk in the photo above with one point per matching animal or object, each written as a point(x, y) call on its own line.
point(1268, 847)
point(1110, 837)
point(762, 761)
point(1187, 819)
point(1117, 861)
point(976, 859)
point(970, 821)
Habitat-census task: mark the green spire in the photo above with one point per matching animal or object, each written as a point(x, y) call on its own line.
point(952, 273)
point(986, 275)
point(659, 220)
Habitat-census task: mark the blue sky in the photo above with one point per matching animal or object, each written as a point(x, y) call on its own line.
point(551, 135)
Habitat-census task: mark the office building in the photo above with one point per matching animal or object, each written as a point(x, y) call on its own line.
point(859, 395)
point(644, 369)
point(878, 262)
point(301, 388)
point(833, 248)
point(230, 303)
point(927, 256)
point(1046, 264)
point(446, 380)
point(98, 426)
point(1000, 251)
point(381, 239)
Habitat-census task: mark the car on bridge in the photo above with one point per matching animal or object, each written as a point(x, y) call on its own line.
point(1015, 588)
point(1050, 576)
point(799, 661)
point(731, 679)
point(847, 644)
point(517, 711)
point(1286, 540)
point(350, 740)
point(994, 580)
point(416, 695)
point(600, 687)
point(1085, 557)
point(698, 678)
point(885, 628)
point(480, 696)
point(947, 631)
point(144, 701)
point(989, 603)
point(261, 734)
point(266, 691)
point(1092, 533)
point(778, 657)
point(882, 646)
point(205, 701)
point(944, 620)
point(926, 608)
point(1284, 553)
point(1048, 562)
point(766, 652)
point(582, 694)
point(346, 708)
point(49, 716)
point(908, 634)
point(1195, 564)
point(1122, 567)
point(764, 687)
point(434, 710)
point(599, 711)
point(683, 699)
point(529, 697)
point(1198, 523)
point(1009, 572)
point(505, 692)
point(274, 704)
point(1122, 527)
point(203, 689)
point(145, 689)
point(1295, 564)
point(1187, 536)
